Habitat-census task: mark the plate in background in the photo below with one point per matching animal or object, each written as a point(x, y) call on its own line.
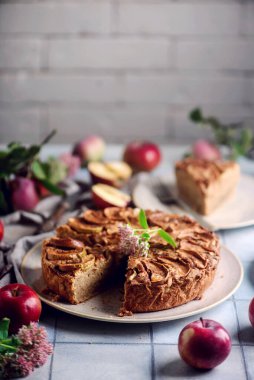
point(236, 212)
point(105, 306)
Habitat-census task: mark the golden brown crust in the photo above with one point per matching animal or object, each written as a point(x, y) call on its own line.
point(167, 278)
point(204, 172)
point(205, 185)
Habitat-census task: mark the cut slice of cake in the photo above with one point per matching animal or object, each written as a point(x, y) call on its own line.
point(72, 271)
point(206, 185)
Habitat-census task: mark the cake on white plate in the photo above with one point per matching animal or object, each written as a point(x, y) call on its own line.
point(206, 185)
point(86, 255)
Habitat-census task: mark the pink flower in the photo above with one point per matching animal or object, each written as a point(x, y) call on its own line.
point(33, 352)
point(72, 162)
point(131, 244)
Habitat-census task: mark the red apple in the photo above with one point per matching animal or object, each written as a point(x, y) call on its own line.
point(205, 150)
point(204, 344)
point(24, 195)
point(110, 173)
point(90, 149)
point(251, 312)
point(20, 304)
point(107, 196)
point(142, 155)
point(1, 230)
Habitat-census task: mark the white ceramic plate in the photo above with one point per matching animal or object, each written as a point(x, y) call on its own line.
point(236, 212)
point(104, 307)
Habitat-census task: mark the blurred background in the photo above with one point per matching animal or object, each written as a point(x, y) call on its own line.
point(123, 69)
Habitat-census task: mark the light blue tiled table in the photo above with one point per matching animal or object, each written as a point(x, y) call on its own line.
point(85, 349)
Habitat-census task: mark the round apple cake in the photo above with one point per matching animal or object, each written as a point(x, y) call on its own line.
point(86, 255)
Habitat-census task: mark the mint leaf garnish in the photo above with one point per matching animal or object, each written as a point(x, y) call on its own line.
point(142, 219)
point(168, 238)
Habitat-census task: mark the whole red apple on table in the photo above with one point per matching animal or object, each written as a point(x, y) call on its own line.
point(142, 155)
point(251, 312)
point(90, 149)
point(204, 344)
point(24, 195)
point(20, 304)
point(205, 150)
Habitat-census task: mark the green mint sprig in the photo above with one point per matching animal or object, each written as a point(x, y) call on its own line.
point(149, 233)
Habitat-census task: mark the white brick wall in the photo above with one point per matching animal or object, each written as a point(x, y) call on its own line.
point(53, 18)
point(179, 19)
point(19, 53)
point(216, 55)
point(113, 53)
point(123, 68)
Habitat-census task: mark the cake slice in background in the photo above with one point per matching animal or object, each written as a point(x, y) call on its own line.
point(206, 185)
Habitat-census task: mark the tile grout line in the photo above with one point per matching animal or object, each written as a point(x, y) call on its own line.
point(54, 345)
point(240, 342)
point(224, 239)
point(152, 353)
point(131, 344)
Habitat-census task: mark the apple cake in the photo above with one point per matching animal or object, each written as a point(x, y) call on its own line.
point(86, 255)
point(205, 185)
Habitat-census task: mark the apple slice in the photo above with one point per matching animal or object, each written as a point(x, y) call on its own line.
point(107, 196)
point(114, 173)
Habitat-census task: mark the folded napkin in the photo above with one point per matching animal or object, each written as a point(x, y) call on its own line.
point(24, 229)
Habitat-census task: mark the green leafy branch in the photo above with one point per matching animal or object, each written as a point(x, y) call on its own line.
point(234, 135)
point(19, 160)
point(149, 233)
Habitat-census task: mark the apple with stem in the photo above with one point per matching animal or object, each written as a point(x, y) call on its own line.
point(90, 149)
point(142, 155)
point(204, 344)
point(20, 304)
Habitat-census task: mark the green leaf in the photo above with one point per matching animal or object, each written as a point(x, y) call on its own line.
point(38, 170)
point(196, 115)
point(52, 187)
point(145, 236)
point(142, 219)
point(168, 238)
point(56, 170)
point(246, 139)
point(9, 345)
point(4, 328)
point(4, 348)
